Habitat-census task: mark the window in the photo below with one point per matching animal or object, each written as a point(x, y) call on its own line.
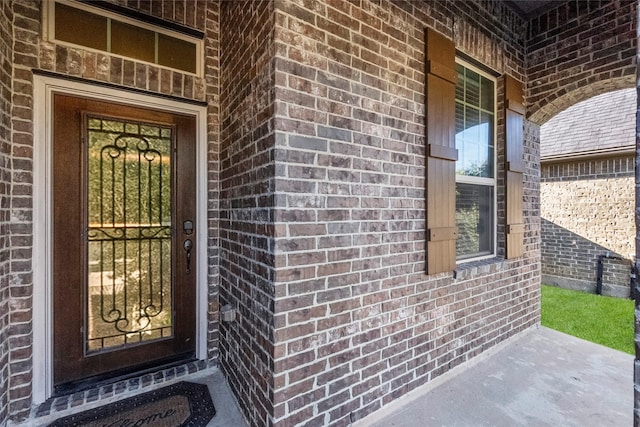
point(475, 101)
point(98, 29)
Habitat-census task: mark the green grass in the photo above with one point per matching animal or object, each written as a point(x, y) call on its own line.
point(600, 319)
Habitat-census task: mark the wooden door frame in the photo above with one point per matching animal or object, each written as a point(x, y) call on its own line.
point(44, 89)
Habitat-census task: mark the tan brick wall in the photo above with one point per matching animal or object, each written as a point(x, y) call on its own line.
point(587, 210)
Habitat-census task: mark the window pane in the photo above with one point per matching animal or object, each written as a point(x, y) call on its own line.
point(475, 197)
point(486, 144)
point(79, 27)
point(133, 42)
point(474, 218)
point(474, 141)
point(486, 94)
point(176, 53)
point(474, 126)
point(460, 85)
point(472, 88)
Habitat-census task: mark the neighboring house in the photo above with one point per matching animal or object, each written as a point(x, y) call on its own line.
point(357, 180)
point(587, 194)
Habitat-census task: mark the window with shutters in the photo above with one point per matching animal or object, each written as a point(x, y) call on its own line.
point(475, 136)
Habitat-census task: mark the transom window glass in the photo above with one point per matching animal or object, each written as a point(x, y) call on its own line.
point(475, 167)
point(84, 25)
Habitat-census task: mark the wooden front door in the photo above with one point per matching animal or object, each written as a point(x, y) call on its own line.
point(123, 239)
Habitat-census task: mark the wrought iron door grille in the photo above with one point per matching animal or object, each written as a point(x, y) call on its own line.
point(128, 235)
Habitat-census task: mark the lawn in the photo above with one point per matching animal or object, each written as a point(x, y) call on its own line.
point(600, 319)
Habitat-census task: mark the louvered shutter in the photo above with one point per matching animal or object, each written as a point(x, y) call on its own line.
point(514, 156)
point(441, 153)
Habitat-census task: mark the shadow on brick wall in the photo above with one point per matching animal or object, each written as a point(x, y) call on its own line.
point(571, 261)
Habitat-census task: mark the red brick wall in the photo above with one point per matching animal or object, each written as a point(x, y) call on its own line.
point(27, 28)
point(316, 175)
point(32, 52)
point(578, 50)
point(247, 169)
point(192, 13)
point(6, 71)
point(358, 323)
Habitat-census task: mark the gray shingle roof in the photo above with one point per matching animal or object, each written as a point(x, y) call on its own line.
point(603, 123)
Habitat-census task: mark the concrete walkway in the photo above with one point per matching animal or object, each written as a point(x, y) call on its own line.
point(540, 378)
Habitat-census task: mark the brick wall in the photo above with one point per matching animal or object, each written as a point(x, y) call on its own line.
point(6, 71)
point(32, 52)
point(212, 97)
point(247, 170)
point(358, 323)
point(321, 168)
point(587, 211)
point(26, 30)
point(578, 50)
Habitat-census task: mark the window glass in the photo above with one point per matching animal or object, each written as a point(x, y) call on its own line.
point(133, 42)
point(474, 124)
point(474, 218)
point(475, 168)
point(80, 27)
point(96, 29)
point(176, 53)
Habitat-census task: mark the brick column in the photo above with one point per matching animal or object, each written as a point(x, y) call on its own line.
point(6, 53)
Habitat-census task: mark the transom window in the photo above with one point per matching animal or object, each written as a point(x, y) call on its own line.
point(476, 165)
point(102, 30)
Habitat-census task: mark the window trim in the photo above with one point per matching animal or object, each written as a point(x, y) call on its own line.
point(463, 179)
point(49, 32)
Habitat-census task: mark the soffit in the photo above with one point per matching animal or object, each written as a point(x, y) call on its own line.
point(529, 9)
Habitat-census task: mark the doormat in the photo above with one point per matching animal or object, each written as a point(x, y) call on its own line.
point(183, 404)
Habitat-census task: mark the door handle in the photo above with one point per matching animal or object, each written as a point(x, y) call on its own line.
point(188, 245)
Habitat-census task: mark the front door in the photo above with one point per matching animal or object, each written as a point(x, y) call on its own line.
point(123, 239)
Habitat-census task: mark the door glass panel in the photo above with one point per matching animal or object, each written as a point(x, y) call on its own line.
point(129, 276)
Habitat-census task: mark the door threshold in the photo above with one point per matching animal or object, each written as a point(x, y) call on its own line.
point(121, 388)
point(120, 375)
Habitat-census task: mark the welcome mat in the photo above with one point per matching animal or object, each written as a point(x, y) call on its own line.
point(183, 404)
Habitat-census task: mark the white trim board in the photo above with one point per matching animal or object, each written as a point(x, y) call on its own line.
point(44, 88)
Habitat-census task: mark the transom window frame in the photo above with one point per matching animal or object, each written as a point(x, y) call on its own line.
point(49, 32)
point(465, 179)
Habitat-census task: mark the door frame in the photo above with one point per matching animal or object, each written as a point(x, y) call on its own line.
point(42, 257)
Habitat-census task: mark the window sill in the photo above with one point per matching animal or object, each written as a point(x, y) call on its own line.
point(469, 269)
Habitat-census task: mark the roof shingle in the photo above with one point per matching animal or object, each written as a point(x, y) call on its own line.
point(603, 123)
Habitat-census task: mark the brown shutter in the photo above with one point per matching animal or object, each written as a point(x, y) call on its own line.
point(441, 153)
point(514, 112)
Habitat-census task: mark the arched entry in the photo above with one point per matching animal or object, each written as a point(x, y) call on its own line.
point(587, 158)
point(556, 102)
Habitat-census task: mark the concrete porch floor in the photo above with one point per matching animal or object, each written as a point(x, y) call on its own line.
point(539, 378)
